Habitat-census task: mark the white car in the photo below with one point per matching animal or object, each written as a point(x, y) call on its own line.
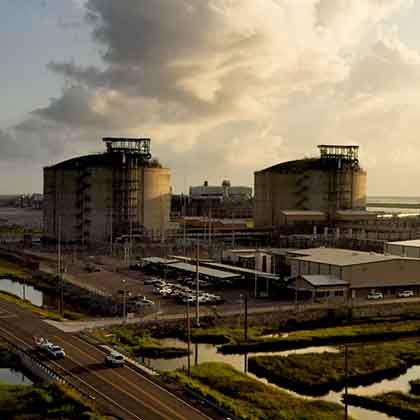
point(55, 351)
point(144, 302)
point(114, 359)
point(405, 293)
point(375, 295)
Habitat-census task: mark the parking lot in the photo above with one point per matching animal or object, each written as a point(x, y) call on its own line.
point(168, 292)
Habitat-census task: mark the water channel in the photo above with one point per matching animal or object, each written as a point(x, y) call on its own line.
point(23, 291)
point(13, 377)
point(208, 353)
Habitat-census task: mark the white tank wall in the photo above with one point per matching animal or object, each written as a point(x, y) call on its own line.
point(60, 192)
point(275, 192)
point(156, 198)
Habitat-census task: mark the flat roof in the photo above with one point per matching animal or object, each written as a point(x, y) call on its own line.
point(182, 258)
point(340, 257)
point(278, 251)
point(303, 213)
point(203, 270)
point(243, 270)
point(318, 280)
point(158, 260)
point(356, 211)
point(413, 243)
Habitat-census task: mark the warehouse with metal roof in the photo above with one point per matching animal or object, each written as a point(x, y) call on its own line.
point(361, 272)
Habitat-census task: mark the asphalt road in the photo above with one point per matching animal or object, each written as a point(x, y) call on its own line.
point(120, 392)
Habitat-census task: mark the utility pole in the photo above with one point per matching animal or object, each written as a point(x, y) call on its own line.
point(210, 228)
point(197, 291)
point(184, 233)
point(111, 227)
point(255, 274)
point(346, 383)
point(246, 319)
point(131, 235)
point(124, 302)
point(233, 232)
point(189, 337)
point(60, 277)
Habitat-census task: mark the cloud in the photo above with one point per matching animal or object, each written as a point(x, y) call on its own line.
point(227, 87)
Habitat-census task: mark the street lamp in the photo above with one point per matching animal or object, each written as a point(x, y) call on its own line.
point(124, 309)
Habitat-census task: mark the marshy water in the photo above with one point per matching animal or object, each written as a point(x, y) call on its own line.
point(208, 353)
point(13, 377)
point(24, 291)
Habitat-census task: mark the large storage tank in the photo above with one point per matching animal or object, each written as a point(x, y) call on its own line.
point(105, 196)
point(332, 182)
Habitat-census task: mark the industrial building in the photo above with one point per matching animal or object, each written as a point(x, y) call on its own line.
point(316, 191)
point(340, 273)
point(103, 197)
point(219, 201)
point(220, 192)
point(403, 248)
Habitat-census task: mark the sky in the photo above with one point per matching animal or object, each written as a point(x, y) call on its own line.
point(222, 87)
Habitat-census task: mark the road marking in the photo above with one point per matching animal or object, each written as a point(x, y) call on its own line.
point(4, 314)
point(155, 384)
point(8, 316)
point(106, 397)
point(127, 382)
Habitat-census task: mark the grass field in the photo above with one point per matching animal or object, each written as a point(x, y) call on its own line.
point(375, 331)
point(250, 399)
point(138, 342)
point(45, 312)
point(8, 358)
point(40, 403)
point(318, 373)
point(12, 270)
point(396, 404)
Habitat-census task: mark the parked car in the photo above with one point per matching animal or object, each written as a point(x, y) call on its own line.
point(144, 302)
point(114, 359)
point(375, 295)
point(149, 280)
point(405, 293)
point(189, 299)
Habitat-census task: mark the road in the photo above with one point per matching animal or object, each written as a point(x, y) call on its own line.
point(121, 392)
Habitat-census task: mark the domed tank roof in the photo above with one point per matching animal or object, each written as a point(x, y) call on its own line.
point(296, 166)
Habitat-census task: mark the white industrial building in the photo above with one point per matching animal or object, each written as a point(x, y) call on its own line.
point(404, 248)
point(355, 273)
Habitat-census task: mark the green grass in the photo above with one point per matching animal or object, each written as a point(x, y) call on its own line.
point(8, 358)
point(397, 404)
point(12, 270)
point(138, 342)
point(322, 336)
point(44, 311)
point(223, 334)
point(250, 399)
point(318, 373)
point(39, 403)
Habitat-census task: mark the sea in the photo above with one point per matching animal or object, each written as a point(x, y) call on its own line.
point(376, 203)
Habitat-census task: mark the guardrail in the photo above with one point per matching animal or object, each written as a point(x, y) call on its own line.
point(43, 371)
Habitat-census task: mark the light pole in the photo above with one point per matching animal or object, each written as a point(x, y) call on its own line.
point(240, 309)
point(197, 291)
point(124, 301)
